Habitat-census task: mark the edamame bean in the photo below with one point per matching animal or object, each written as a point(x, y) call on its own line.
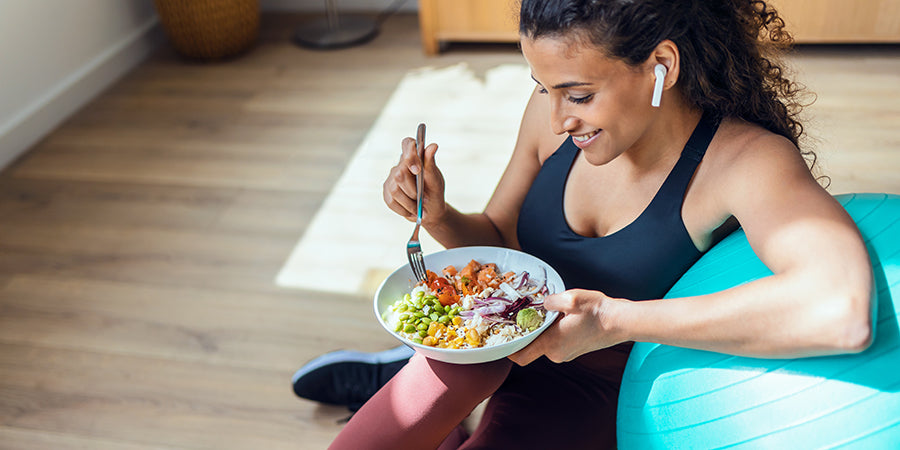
point(422, 327)
point(403, 317)
point(409, 328)
point(444, 320)
point(434, 316)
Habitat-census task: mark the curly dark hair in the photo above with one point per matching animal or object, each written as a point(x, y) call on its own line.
point(730, 50)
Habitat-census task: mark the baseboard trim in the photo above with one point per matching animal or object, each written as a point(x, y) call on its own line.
point(45, 113)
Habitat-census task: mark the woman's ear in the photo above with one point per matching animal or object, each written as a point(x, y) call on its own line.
point(664, 63)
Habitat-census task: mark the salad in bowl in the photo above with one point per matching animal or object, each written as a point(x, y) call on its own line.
point(485, 304)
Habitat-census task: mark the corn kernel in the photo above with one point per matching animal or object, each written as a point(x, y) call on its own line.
point(473, 338)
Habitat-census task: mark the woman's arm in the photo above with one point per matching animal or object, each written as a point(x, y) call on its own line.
point(817, 302)
point(496, 225)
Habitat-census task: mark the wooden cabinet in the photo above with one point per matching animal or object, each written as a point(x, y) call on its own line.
point(841, 21)
point(809, 21)
point(467, 20)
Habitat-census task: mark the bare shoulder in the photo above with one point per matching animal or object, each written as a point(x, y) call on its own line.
point(746, 159)
point(764, 181)
point(533, 146)
point(536, 130)
point(741, 145)
point(756, 176)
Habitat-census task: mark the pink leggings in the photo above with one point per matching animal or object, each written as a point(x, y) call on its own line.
point(542, 405)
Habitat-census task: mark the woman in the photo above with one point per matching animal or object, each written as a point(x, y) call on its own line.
point(621, 197)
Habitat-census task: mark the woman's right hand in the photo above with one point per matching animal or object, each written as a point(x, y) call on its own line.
point(399, 189)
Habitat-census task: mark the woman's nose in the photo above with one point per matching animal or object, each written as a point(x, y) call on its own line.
point(561, 122)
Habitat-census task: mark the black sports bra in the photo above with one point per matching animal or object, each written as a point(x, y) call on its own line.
point(641, 261)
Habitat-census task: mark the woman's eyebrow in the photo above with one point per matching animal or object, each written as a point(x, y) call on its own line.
point(565, 85)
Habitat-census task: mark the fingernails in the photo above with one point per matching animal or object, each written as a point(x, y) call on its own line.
point(414, 169)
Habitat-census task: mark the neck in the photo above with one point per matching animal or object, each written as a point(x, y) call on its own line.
point(664, 139)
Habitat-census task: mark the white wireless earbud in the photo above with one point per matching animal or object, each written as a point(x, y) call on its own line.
point(660, 72)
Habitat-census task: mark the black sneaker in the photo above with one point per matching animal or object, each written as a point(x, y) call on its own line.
point(348, 378)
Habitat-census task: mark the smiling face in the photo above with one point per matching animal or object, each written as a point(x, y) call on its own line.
point(603, 103)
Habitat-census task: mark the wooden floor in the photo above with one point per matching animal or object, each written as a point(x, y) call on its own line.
point(139, 241)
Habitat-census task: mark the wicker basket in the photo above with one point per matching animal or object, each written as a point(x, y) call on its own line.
point(209, 29)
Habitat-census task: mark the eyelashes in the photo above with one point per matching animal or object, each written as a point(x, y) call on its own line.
point(576, 100)
point(580, 100)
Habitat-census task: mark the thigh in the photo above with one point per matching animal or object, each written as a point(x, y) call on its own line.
point(547, 405)
point(421, 405)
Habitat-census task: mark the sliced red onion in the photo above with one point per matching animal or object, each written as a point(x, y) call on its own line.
point(511, 311)
point(522, 281)
point(538, 288)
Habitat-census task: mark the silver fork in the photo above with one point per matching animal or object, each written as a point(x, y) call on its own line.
point(413, 248)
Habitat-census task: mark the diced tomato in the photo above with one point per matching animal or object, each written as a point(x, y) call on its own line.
point(445, 291)
point(431, 276)
point(448, 297)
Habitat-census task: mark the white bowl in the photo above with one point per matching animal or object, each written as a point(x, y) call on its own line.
point(401, 282)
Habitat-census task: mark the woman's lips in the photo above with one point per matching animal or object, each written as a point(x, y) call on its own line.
point(582, 141)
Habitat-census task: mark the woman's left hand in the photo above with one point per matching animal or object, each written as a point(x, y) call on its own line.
point(584, 325)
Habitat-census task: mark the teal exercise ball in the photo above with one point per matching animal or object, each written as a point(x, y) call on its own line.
point(680, 398)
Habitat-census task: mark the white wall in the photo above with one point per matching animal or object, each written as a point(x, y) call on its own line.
point(56, 55)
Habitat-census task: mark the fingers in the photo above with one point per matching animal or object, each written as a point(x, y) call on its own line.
point(409, 156)
point(430, 165)
point(402, 210)
point(399, 189)
point(562, 302)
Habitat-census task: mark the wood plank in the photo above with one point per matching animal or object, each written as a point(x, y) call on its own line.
point(251, 329)
point(14, 438)
point(170, 405)
point(840, 21)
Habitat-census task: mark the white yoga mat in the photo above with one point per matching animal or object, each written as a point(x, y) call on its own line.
point(354, 241)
